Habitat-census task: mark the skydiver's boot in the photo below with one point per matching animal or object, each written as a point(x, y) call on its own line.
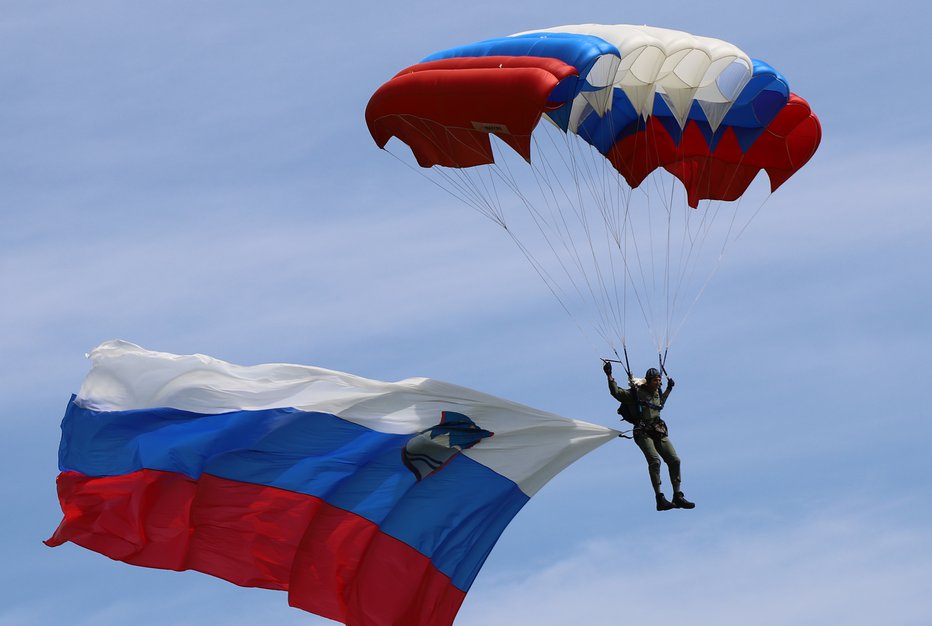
point(680, 501)
point(663, 504)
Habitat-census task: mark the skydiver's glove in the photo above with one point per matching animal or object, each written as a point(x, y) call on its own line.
point(670, 383)
point(607, 368)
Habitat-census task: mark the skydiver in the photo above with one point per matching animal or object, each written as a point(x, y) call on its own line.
point(641, 404)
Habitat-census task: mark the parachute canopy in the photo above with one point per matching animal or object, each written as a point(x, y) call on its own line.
point(630, 127)
point(644, 97)
point(370, 502)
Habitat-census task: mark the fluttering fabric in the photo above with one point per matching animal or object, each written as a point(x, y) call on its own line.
point(370, 503)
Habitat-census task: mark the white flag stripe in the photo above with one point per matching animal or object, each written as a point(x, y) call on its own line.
point(529, 446)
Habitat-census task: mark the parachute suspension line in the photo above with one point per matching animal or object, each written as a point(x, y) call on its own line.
point(666, 280)
point(581, 166)
point(616, 216)
point(631, 280)
point(556, 227)
point(483, 190)
point(580, 160)
point(616, 231)
point(472, 183)
point(714, 208)
point(666, 196)
point(464, 189)
point(652, 258)
point(551, 286)
point(667, 269)
point(549, 229)
point(595, 170)
point(701, 240)
point(627, 364)
point(659, 182)
point(721, 255)
point(463, 193)
point(561, 228)
point(624, 258)
point(753, 215)
point(642, 294)
point(605, 282)
point(556, 232)
point(725, 240)
point(579, 210)
point(468, 192)
point(626, 196)
point(690, 247)
point(600, 284)
point(737, 207)
point(470, 188)
point(644, 281)
point(609, 202)
point(687, 269)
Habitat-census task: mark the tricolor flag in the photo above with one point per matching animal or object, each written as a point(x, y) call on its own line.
point(370, 503)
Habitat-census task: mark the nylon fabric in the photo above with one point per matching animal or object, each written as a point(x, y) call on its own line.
point(347, 465)
point(331, 562)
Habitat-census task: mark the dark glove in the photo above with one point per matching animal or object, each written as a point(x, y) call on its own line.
point(607, 368)
point(670, 383)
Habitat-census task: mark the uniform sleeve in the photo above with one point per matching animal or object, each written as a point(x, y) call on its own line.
point(622, 395)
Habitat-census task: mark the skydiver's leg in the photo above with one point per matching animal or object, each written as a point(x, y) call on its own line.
point(668, 453)
point(646, 444)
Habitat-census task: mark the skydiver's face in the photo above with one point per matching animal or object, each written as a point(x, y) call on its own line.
point(652, 384)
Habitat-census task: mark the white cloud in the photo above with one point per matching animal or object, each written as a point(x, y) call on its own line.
point(848, 566)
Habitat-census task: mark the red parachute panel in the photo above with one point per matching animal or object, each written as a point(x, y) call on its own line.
point(786, 145)
point(445, 110)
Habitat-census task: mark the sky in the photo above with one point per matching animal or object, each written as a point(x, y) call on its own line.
point(198, 177)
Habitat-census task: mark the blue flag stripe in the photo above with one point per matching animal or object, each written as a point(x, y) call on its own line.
point(453, 516)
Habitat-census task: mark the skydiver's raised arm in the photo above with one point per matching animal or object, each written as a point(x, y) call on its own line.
point(622, 395)
point(666, 392)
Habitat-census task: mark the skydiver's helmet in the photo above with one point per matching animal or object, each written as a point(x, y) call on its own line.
point(652, 373)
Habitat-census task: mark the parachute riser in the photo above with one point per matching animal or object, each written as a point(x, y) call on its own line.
point(625, 362)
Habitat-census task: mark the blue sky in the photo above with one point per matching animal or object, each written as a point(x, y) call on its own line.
point(198, 177)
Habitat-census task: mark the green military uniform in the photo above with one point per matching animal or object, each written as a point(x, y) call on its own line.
point(650, 432)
